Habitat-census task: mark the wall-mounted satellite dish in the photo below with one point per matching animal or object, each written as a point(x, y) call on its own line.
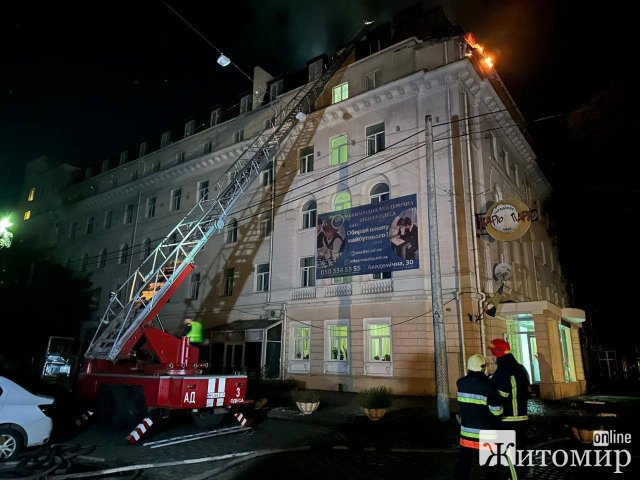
point(503, 272)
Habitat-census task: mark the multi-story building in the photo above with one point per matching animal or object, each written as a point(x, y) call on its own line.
point(256, 287)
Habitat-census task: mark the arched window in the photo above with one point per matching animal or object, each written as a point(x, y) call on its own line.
point(102, 258)
point(379, 193)
point(342, 201)
point(124, 254)
point(309, 212)
point(84, 262)
point(232, 231)
point(146, 249)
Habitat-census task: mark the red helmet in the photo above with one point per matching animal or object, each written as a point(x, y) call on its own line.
point(499, 347)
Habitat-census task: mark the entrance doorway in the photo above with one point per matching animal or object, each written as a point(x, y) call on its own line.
point(524, 347)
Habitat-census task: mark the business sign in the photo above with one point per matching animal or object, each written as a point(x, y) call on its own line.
point(374, 238)
point(508, 220)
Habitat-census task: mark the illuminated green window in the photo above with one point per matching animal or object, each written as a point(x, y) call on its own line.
point(301, 342)
point(340, 93)
point(342, 201)
point(379, 342)
point(339, 342)
point(339, 152)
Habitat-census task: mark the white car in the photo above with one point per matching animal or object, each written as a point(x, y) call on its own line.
point(23, 419)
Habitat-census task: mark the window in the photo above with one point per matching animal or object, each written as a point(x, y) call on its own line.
point(123, 157)
point(505, 158)
point(90, 222)
point(521, 335)
point(73, 226)
point(232, 231)
point(203, 190)
point(207, 147)
point(301, 343)
point(180, 157)
point(32, 194)
point(227, 282)
point(270, 123)
point(262, 277)
point(275, 90)
point(338, 342)
point(340, 92)
point(372, 80)
point(266, 176)
point(375, 138)
point(342, 201)
point(151, 207)
point(265, 224)
point(567, 354)
point(381, 275)
point(194, 286)
point(245, 104)
point(339, 150)
point(493, 146)
point(102, 258)
point(308, 271)
point(189, 127)
point(315, 70)
point(142, 150)
point(105, 165)
point(379, 193)
point(123, 255)
point(309, 214)
point(128, 213)
point(378, 341)
point(176, 195)
point(146, 249)
point(107, 219)
point(306, 159)
point(215, 117)
point(238, 135)
point(165, 139)
point(84, 262)
point(27, 215)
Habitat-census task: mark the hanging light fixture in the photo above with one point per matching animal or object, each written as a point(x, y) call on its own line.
point(223, 60)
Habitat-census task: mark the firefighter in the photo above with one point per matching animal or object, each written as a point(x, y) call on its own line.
point(511, 380)
point(193, 329)
point(480, 407)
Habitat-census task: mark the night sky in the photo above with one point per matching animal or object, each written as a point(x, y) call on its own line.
point(81, 81)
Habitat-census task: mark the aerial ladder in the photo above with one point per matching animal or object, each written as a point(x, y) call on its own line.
point(127, 352)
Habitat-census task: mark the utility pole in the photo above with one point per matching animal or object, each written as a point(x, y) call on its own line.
point(439, 341)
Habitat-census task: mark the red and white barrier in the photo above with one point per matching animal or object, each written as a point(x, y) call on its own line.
point(242, 420)
point(144, 426)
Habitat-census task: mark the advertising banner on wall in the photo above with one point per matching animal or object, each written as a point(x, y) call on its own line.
point(374, 238)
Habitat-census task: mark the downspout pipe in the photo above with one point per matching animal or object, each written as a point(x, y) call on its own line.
point(474, 232)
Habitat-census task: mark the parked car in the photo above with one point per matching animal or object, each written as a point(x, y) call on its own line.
point(24, 419)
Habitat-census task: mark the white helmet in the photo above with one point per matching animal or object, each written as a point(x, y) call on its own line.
point(476, 363)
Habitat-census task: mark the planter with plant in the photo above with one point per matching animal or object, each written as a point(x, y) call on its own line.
point(306, 400)
point(375, 401)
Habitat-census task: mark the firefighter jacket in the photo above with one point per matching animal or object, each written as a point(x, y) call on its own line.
point(480, 407)
point(512, 382)
point(195, 334)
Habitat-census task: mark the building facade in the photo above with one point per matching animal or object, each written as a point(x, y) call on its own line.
point(255, 285)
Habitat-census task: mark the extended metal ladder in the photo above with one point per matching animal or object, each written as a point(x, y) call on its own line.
point(136, 303)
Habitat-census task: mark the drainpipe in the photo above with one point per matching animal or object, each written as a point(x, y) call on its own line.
point(285, 326)
point(455, 226)
point(472, 207)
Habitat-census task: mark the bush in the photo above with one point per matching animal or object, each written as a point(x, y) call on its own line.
point(305, 396)
point(375, 397)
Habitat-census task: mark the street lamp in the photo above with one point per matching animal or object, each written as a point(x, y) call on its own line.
point(223, 60)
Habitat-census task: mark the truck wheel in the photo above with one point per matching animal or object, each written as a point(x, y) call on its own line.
point(134, 409)
point(207, 419)
point(105, 404)
point(112, 404)
point(10, 443)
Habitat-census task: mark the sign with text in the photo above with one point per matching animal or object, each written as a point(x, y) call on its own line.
point(374, 238)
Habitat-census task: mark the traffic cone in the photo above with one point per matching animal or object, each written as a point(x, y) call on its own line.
point(138, 432)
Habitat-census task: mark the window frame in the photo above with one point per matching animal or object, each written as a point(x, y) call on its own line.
point(265, 225)
point(278, 86)
point(263, 279)
point(123, 254)
point(309, 215)
point(328, 346)
point(307, 272)
point(31, 195)
point(376, 139)
point(306, 158)
point(377, 367)
point(378, 197)
point(340, 93)
point(245, 103)
point(335, 157)
point(150, 211)
point(231, 232)
point(203, 186)
point(173, 203)
point(299, 339)
point(128, 214)
point(228, 281)
point(106, 221)
point(194, 286)
point(90, 224)
point(375, 75)
point(102, 258)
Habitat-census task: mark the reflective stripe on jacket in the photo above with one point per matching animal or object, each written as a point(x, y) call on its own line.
point(512, 382)
point(480, 406)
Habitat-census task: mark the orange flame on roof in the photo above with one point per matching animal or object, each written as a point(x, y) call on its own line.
point(475, 46)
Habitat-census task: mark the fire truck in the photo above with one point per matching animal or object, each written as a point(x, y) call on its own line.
point(132, 364)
